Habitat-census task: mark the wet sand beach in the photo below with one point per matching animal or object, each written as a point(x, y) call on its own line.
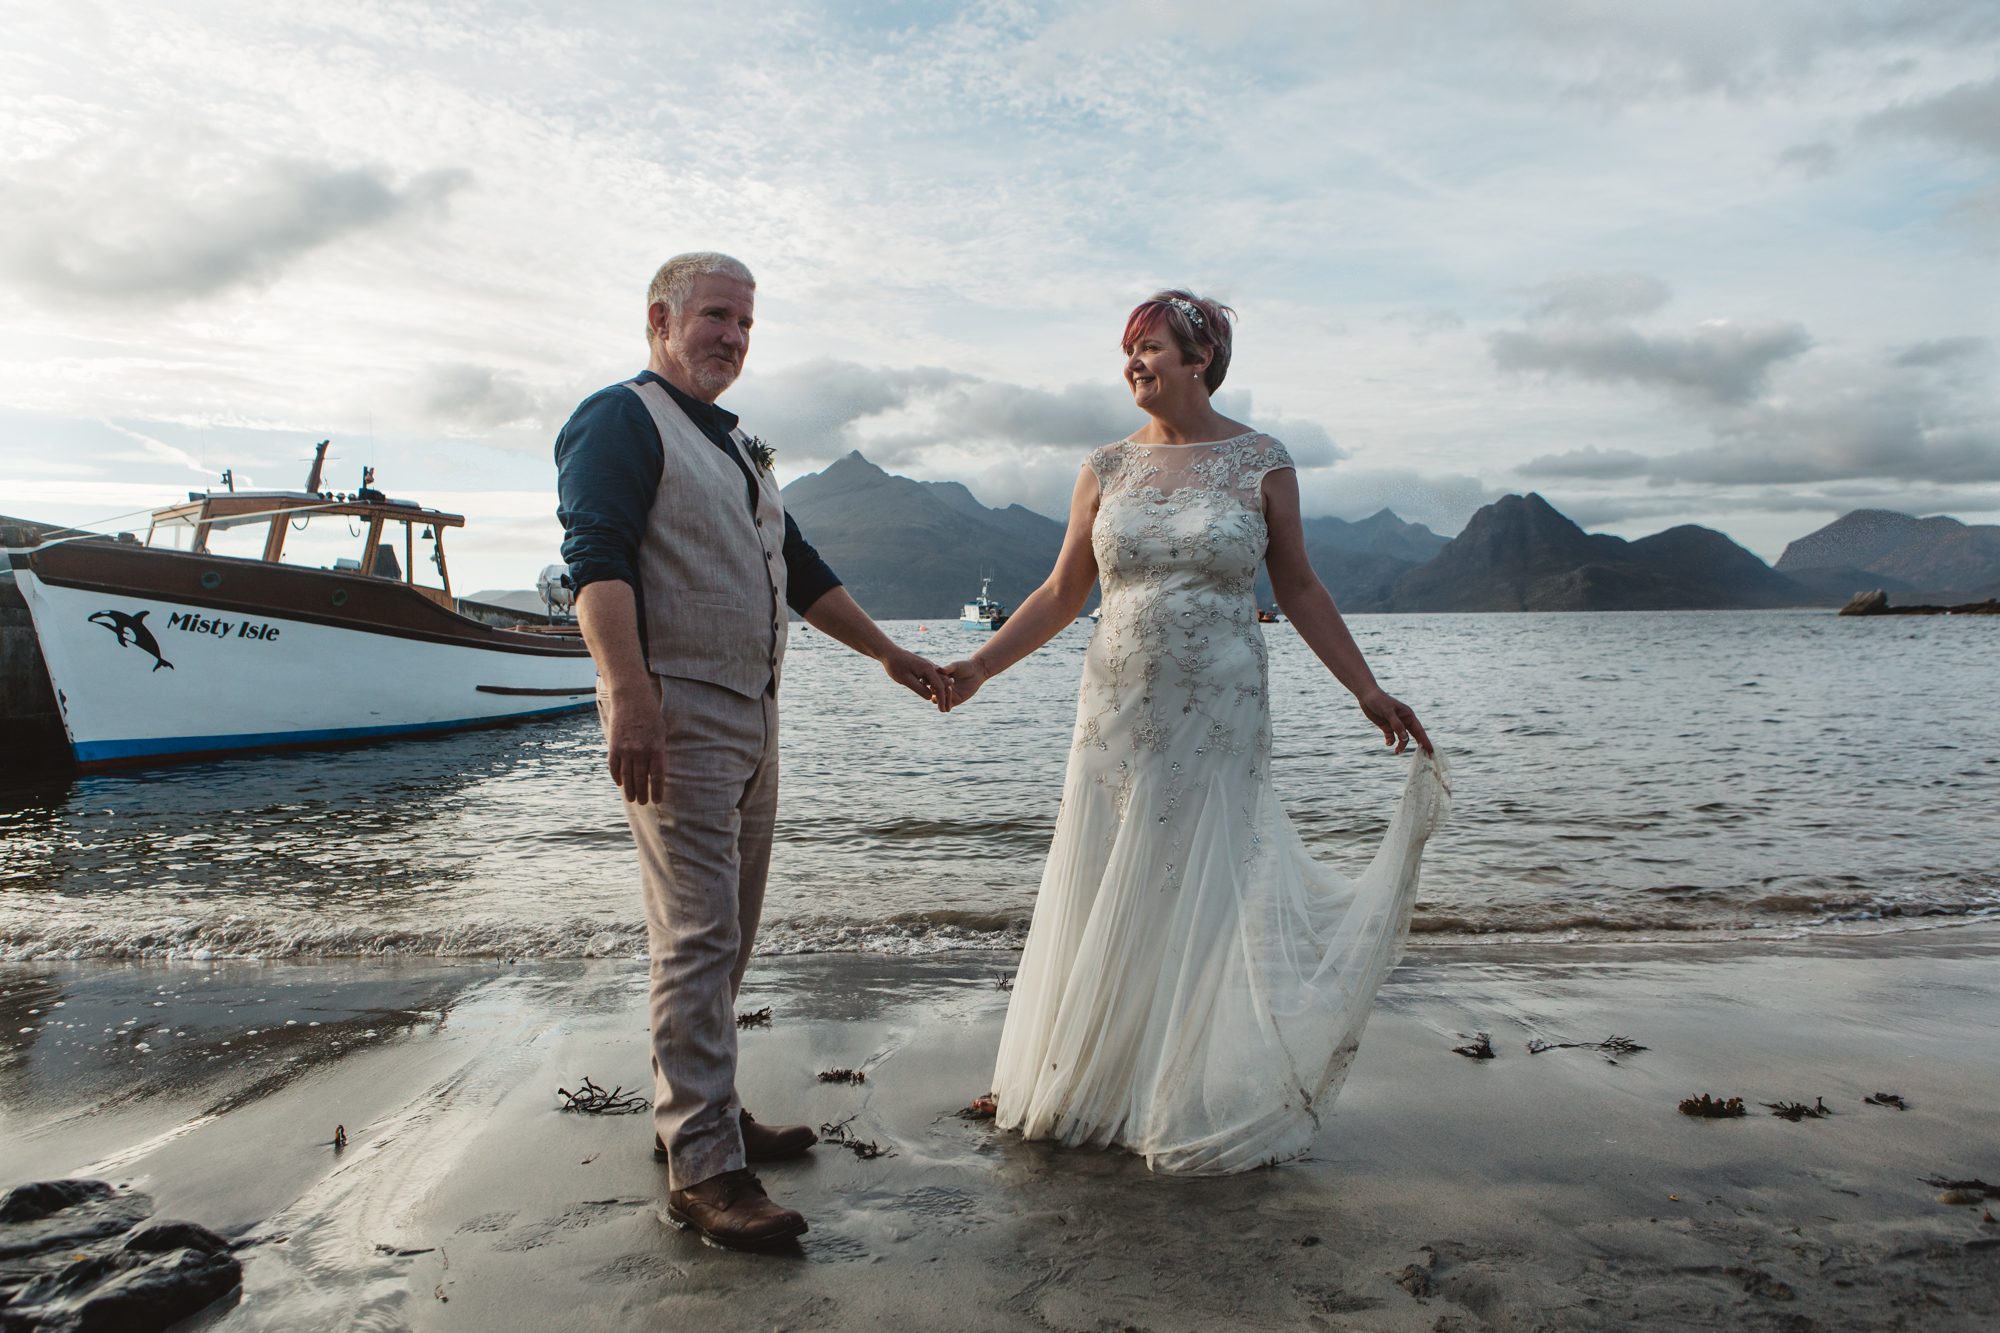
point(1553, 1190)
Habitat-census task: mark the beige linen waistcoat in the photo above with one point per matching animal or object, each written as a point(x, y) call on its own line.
point(713, 575)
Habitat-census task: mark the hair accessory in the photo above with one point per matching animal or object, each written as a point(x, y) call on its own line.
point(1188, 308)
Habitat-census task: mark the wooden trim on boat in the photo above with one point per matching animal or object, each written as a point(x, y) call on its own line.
point(534, 690)
point(342, 599)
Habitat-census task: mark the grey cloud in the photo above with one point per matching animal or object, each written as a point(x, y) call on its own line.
point(1967, 116)
point(1942, 351)
point(821, 409)
point(1723, 361)
point(1893, 427)
point(1977, 215)
point(1814, 447)
point(180, 231)
point(1590, 461)
point(466, 397)
point(1625, 53)
point(1811, 160)
point(810, 410)
point(1075, 415)
point(1593, 297)
point(1427, 322)
point(1441, 502)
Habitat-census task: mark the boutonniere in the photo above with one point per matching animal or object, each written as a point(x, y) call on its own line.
point(762, 454)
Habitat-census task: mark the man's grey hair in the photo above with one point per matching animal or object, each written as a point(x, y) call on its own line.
point(675, 280)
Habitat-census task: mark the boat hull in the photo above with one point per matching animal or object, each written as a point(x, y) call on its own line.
point(159, 657)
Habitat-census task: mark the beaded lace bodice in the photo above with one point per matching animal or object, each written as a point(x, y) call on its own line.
point(1178, 662)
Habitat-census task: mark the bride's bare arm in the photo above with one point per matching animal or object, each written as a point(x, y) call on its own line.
point(1309, 606)
point(1057, 603)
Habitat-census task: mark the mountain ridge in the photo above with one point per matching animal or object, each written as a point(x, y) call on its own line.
point(910, 549)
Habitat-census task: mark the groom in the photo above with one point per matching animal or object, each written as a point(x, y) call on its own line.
point(685, 561)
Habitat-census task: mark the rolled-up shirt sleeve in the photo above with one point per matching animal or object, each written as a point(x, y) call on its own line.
point(608, 464)
point(807, 577)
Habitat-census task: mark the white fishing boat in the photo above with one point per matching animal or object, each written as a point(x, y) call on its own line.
point(158, 653)
point(982, 612)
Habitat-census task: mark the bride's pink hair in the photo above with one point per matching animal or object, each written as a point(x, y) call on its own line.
point(1207, 329)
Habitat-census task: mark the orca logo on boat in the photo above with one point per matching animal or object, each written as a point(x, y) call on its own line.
point(132, 629)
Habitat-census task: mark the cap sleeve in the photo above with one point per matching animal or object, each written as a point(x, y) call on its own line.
point(1105, 463)
point(1272, 457)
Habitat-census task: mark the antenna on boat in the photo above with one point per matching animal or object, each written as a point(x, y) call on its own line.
point(319, 466)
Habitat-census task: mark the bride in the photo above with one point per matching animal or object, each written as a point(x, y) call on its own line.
point(1194, 985)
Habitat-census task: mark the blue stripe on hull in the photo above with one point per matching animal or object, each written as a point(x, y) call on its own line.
point(109, 752)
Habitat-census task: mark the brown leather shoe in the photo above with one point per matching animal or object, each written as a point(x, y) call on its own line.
point(762, 1143)
point(775, 1143)
point(732, 1210)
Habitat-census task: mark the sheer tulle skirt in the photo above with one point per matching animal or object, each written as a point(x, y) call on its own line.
point(1194, 984)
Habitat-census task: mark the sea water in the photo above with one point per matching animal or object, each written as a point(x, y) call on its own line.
point(1619, 775)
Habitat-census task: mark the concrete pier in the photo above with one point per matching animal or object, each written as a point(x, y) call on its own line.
point(31, 733)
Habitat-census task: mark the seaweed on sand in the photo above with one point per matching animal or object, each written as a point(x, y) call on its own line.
point(593, 1100)
point(756, 1018)
point(1480, 1048)
point(1610, 1046)
point(1797, 1111)
point(1888, 1099)
point(840, 1136)
point(843, 1076)
point(1706, 1107)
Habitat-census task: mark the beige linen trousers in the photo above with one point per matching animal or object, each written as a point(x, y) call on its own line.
point(704, 857)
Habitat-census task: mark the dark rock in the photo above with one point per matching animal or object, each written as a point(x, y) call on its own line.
point(73, 1258)
point(163, 1236)
point(32, 1203)
point(1874, 603)
point(131, 1291)
point(64, 1215)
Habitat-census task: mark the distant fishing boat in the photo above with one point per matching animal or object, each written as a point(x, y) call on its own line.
point(982, 612)
point(160, 654)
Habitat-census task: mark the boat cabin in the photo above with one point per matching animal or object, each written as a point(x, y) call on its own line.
point(364, 515)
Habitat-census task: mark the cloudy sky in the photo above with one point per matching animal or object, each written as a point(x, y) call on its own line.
point(1702, 262)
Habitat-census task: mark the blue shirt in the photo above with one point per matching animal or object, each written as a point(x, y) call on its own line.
point(608, 464)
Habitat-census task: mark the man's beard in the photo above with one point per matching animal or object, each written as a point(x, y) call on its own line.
point(712, 376)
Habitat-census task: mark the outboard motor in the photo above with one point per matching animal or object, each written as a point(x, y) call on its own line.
point(556, 590)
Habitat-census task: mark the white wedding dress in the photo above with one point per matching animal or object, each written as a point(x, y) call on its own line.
point(1194, 985)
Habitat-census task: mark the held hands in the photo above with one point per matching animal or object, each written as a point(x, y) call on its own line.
point(920, 676)
point(1397, 720)
point(966, 678)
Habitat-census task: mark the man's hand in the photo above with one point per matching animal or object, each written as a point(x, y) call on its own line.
point(1397, 720)
point(637, 737)
point(966, 678)
point(920, 676)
